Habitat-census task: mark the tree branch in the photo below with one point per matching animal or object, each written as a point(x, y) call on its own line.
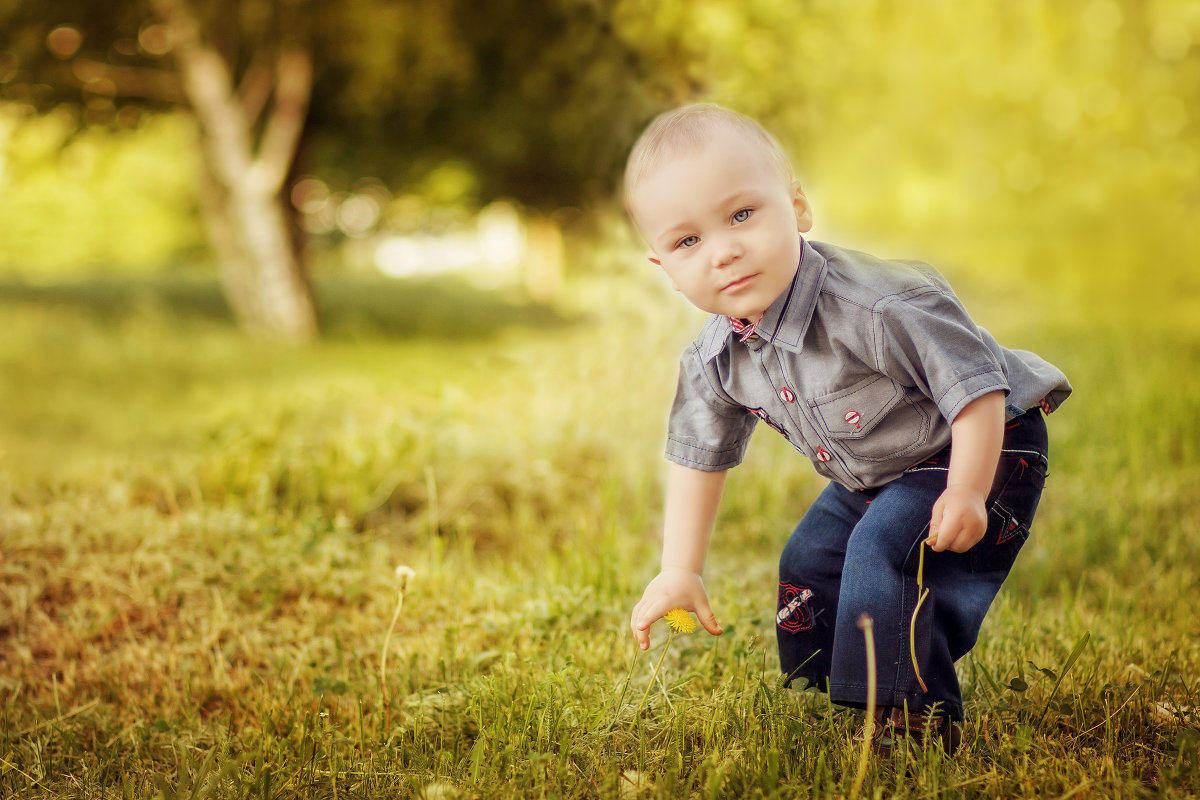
point(209, 86)
point(293, 90)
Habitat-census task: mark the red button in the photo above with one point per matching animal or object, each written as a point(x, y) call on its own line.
point(788, 395)
point(823, 454)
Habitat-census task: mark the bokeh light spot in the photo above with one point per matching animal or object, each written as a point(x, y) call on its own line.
point(1170, 40)
point(155, 39)
point(1101, 100)
point(1060, 108)
point(101, 86)
point(1103, 18)
point(1023, 172)
point(64, 41)
point(125, 47)
point(1166, 116)
point(358, 214)
point(309, 195)
point(87, 70)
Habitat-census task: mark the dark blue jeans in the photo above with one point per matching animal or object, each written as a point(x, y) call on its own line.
point(856, 552)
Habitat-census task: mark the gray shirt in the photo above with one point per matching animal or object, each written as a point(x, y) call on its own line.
point(862, 364)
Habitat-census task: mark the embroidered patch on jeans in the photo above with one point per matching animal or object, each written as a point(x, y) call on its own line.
point(1010, 526)
point(794, 614)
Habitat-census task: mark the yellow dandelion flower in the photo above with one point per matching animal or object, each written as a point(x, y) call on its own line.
point(680, 620)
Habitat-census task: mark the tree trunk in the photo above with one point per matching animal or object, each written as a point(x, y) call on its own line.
point(242, 191)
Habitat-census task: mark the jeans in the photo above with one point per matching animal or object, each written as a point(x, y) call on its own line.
point(856, 552)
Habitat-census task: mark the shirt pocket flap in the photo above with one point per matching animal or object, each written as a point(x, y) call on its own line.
point(852, 413)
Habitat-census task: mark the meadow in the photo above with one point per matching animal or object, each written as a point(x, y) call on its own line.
point(200, 535)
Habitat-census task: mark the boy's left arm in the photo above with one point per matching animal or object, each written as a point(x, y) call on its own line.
point(959, 517)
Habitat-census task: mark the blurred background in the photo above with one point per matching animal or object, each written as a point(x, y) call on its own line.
point(186, 185)
point(268, 145)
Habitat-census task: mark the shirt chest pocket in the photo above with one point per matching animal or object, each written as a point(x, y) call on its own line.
point(873, 420)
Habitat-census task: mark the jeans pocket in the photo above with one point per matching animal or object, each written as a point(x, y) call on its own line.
point(1010, 513)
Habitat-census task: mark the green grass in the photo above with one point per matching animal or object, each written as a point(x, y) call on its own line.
point(199, 535)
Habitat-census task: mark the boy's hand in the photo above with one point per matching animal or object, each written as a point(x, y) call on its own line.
point(672, 588)
point(959, 519)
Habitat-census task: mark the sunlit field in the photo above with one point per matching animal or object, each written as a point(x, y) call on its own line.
point(398, 560)
point(201, 535)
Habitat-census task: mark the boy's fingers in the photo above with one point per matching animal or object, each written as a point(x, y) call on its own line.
point(708, 619)
point(937, 531)
point(644, 615)
point(945, 536)
point(640, 630)
point(949, 531)
point(635, 619)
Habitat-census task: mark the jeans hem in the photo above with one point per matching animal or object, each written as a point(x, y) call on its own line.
point(854, 696)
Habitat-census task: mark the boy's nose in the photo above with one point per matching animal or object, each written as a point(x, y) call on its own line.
point(726, 252)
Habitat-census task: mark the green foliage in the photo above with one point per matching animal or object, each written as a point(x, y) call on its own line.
point(74, 202)
point(540, 100)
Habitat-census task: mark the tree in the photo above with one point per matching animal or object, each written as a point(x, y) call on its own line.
point(261, 269)
point(249, 115)
point(539, 99)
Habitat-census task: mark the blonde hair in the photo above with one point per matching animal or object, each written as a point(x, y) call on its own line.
point(690, 127)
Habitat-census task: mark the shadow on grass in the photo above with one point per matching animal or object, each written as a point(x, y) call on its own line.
point(349, 307)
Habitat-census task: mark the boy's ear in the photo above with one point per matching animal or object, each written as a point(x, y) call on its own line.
point(803, 209)
point(656, 261)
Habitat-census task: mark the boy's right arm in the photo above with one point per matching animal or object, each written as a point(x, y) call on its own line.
point(693, 497)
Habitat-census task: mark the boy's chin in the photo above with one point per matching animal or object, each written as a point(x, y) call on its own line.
point(742, 310)
point(749, 312)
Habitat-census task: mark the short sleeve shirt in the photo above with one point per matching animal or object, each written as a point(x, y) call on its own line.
point(862, 364)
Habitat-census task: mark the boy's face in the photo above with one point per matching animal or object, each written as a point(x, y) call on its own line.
point(723, 223)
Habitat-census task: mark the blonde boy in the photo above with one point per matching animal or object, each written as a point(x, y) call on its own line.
point(870, 369)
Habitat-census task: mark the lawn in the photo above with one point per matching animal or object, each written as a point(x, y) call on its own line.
point(199, 537)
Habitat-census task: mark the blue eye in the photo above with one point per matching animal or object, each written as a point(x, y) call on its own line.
point(742, 215)
point(688, 241)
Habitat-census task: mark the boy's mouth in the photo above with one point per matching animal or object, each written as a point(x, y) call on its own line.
point(739, 284)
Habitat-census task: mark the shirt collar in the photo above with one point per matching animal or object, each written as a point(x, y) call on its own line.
point(786, 320)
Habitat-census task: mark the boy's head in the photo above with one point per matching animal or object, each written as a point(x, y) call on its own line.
point(689, 127)
point(715, 198)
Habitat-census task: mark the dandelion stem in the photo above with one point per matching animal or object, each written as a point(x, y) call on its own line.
point(912, 639)
point(867, 625)
point(922, 593)
point(383, 687)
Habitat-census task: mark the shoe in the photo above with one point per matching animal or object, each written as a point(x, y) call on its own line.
point(895, 726)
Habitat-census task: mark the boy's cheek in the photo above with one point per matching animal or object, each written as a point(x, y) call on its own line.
point(670, 273)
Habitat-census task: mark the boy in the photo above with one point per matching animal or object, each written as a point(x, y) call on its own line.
point(870, 369)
